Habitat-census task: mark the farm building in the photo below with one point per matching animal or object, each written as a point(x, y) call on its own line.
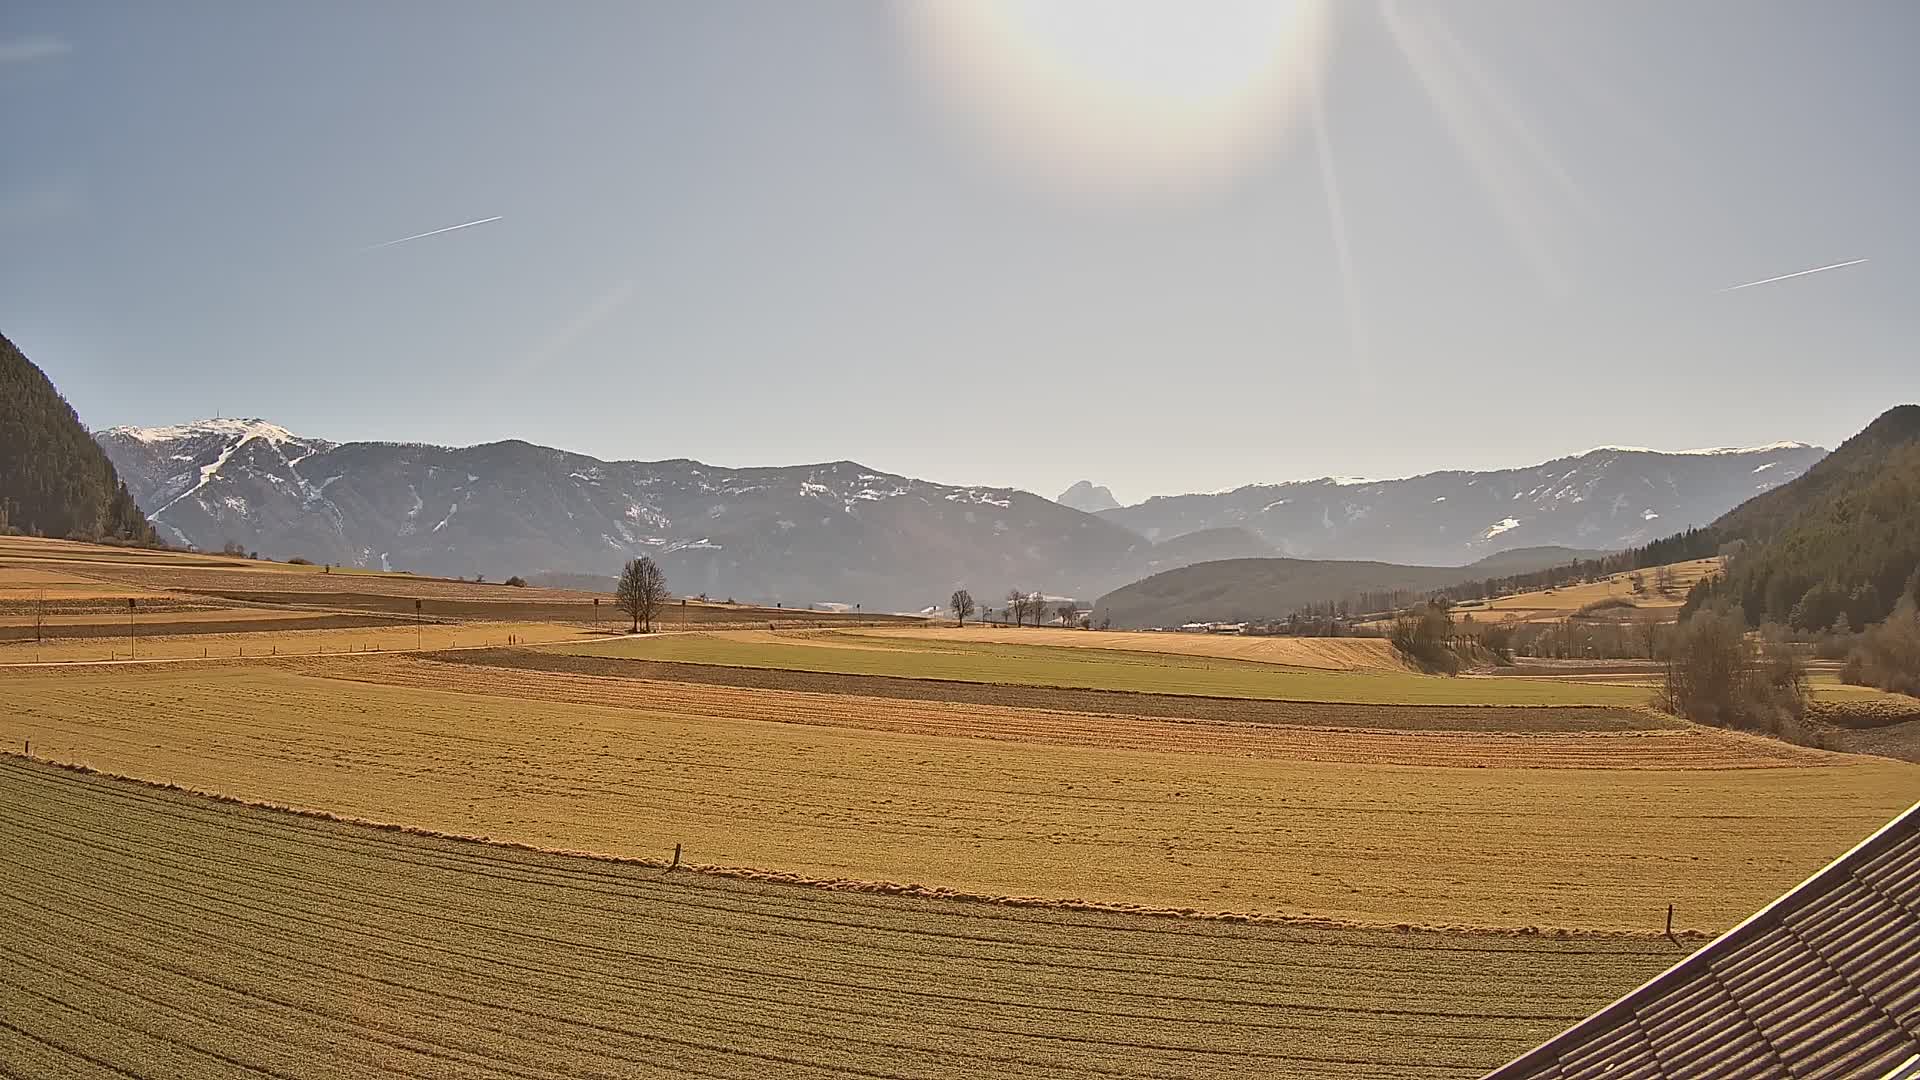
point(1823, 982)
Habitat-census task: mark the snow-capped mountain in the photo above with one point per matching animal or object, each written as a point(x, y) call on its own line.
point(1607, 498)
point(843, 532)
point(800, 534)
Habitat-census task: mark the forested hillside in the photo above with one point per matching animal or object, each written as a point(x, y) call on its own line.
point(1841, 541)
point(54, 479)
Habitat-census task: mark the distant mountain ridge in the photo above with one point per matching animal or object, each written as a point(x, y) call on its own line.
point(1242, 590)
point(1607, 498)
point(802, 534)
point(1087, 498)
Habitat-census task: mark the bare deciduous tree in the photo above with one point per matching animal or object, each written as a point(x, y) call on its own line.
point(962, 605)
point(1017, 605)
point(642, 590)
point(1066, 613)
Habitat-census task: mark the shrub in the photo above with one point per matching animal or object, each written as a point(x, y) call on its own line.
point(1888, 653)
point(1424, 635)
point(1500, 640)
point(1608, 604)
point(299, 560)
point(1715, 675)
point(517, 581)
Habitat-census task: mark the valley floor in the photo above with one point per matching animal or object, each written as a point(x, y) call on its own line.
point(902, 852)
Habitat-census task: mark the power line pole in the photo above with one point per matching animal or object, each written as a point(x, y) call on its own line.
point(130, 604)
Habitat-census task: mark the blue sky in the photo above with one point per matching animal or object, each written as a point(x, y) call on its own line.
point(760, 233)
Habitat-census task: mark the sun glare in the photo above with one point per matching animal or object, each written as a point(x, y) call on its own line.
point(1125, 95)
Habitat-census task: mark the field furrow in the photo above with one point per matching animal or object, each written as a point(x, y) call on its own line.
point(164, 934)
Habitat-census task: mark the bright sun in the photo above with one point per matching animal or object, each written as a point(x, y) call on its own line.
point(1125, 95)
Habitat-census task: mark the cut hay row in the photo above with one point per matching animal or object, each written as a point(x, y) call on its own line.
point(156, 934)
point(1208, 831)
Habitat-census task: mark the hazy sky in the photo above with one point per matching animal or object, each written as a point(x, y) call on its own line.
point(774, 232)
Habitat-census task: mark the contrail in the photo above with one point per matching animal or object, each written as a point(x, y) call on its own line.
point(1796, 273)
point(435, 232)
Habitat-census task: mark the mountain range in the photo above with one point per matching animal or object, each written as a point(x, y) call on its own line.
point(1607, 498)
point(848, 533)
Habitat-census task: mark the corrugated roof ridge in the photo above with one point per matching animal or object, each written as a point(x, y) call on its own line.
point(1752, 927)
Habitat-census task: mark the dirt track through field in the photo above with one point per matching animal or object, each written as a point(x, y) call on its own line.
point(158, 934)
point(1513, 718)
point(1208, 831)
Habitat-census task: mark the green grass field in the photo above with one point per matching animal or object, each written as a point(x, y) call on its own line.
point(1163, 673)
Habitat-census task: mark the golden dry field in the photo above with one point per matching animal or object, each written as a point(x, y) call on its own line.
point(1335, 654)
point(1595, 831)
point(905, 852)
point(153, 933)
point(1549, 605)
point(914, 656)
point(67, 601)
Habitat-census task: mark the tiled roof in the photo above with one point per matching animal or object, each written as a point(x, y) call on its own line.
point(1823, 982)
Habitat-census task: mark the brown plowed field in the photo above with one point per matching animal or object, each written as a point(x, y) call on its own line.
point(1503, 718)
point(158, 934)
point(1212, 828)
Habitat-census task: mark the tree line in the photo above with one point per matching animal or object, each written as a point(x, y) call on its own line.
point(54, 479)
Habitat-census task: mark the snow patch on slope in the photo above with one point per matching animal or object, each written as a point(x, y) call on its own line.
point(247, 430)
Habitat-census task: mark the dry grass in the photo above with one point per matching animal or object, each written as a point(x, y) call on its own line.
point(1208, 829)
point(32, 569)
point(1511, 719)
point(1334, 654)
point(1405, 735)
point(865, 652)
point(21, 584)
point(164, 935)
point(1549, 605)
point(162, 641)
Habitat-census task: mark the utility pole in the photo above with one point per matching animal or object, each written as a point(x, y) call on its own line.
point(418, 633)
point(130, 603)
